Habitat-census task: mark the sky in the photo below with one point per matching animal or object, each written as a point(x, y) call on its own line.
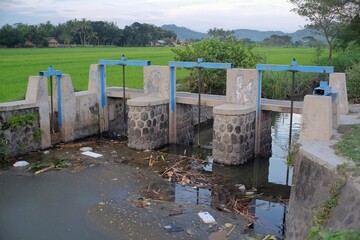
point(198, 15)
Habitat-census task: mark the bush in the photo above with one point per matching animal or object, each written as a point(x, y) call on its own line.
point(277, 85)
point(353, 82)
point(342, 59)
point(214, 50)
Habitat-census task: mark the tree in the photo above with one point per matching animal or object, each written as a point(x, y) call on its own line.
point(278, 41)
point(220, 33)
point(326, 16)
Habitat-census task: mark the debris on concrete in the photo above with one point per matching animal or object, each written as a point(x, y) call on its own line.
point(173, 228)
point(206, 217)
point(86, 149)
point(92, 154)
point(21, 164)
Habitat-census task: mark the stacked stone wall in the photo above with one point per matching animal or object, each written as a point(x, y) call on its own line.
point(265, 138)
point(184, 127)
point(234, 138)
point(148, 126)
point(18, 133)
point(206, 114)
point(116, 116)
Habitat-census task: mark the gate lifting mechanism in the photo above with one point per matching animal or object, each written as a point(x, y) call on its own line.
point(123, 62)
point(50, 73)
point(293, 67)
point(200, 65)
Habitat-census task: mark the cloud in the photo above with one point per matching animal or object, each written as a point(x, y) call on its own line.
point(199, 15)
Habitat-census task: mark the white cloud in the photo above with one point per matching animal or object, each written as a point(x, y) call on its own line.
point(199, 15)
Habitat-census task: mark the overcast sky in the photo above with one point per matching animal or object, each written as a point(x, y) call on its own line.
point(198, 15)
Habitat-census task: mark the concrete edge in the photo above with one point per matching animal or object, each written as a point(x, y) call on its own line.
point(233, 109)
point(16, 105)
point(146, 101)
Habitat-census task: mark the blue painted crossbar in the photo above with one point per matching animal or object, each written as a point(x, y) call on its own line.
point(54, 73)
point(50, 72)
point(201, 64)
point(198, 64)
point(125, 62)
point(122, 62)
point(294, 68)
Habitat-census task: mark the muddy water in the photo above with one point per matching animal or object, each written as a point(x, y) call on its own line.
point(99, 198)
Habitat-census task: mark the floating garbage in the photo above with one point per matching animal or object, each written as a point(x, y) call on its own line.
point(209, 165)
point(92, 154)
point(206, 217)
point(21, 164)
point(241, 187)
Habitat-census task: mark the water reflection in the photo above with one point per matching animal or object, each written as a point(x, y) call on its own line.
point(270, 176)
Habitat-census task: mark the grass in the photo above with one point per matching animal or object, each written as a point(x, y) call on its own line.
point(16, 65)
point(349, 145)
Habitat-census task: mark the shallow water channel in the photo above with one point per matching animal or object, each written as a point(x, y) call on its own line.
point(270, 177)
point(94, 199)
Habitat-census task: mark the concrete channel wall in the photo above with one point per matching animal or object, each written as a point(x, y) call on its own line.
point(315, 177)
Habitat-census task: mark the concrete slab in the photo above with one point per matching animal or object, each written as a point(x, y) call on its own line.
point(338, 83)
point(233, 109)
point(146, 101)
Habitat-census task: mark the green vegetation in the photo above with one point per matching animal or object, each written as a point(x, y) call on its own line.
point(238, 53)
point(4, 146)
point(323, 213)
point(16, 65)
point(334, 235)
point(349, 145)
point(82, 32)
point(37, 134)
point(22, 120)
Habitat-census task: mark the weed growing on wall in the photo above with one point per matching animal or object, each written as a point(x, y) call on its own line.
point(322, 215)
point(22, 120)
point(4, 146)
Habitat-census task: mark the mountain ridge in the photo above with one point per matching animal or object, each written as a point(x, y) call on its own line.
point(184, 33)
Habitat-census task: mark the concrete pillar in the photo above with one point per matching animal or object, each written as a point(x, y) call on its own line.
point(234, 134)
point(94, 86)
point(242, 86)
point(68, 107)
point(148, 120)
point(338, 83)
point(335, 110)
point(37, 92)
point(317, 118)
point(148, 117)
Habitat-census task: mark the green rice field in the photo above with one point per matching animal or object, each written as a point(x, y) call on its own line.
point(16, 65)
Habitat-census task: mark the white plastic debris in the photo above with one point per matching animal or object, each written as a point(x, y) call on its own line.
point(209, 165)
point(86, 149)
point(21, 164)
point(92, 154)
point(206, 217)
point(241, 187)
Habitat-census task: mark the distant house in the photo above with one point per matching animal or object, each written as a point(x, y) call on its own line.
point(158, 43)
point(52, 42)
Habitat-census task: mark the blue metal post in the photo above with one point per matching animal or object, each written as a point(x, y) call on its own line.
point(102, 85)
point(57, 73)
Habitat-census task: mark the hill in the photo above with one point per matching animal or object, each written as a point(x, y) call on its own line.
point(184, 33)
